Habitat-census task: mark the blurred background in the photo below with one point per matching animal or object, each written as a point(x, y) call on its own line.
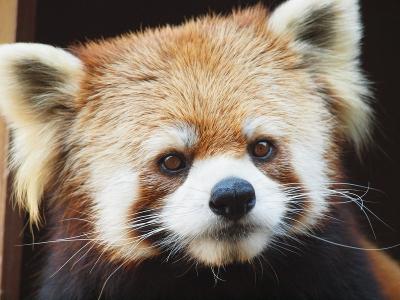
point(63, 23)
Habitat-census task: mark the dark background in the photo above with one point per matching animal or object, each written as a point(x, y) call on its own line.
point(65, 22)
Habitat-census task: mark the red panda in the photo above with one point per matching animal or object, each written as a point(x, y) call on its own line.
point(199, 161)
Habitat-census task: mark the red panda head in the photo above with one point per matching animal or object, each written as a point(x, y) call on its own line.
point(207, 139)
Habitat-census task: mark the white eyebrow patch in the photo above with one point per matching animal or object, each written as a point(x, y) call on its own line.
point(179, 136)
point(263, 125)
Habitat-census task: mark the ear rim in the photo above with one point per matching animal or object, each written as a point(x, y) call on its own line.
point(10, 54)
point(27, 157)
point(284, 21)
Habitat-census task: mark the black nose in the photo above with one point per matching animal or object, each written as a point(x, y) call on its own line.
point(232, 198)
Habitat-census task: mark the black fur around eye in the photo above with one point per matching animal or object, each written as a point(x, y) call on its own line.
point(173, 163)
point(261, 149)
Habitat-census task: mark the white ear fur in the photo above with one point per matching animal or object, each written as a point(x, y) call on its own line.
point(327, 33)
point(37, 87)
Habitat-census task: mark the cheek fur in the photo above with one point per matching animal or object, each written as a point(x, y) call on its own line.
point(155, 186)
point(310, 167)
point(114, 195)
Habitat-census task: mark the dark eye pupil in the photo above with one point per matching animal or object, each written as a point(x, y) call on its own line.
point(173, 163)
point(261, 149)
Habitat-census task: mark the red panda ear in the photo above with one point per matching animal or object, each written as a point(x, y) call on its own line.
point(38, 84)
point(327, 35)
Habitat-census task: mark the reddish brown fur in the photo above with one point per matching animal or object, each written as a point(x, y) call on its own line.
point(386, 270)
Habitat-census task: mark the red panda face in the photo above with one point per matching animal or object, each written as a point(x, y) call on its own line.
point(173, 118)
point(216, 151)
point(211, 139)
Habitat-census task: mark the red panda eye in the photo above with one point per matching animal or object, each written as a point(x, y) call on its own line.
point(172, 163)
point(261, 149)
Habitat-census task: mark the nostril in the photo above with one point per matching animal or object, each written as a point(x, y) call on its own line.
point(220, 200)
point(251, 203)
point(232, 198)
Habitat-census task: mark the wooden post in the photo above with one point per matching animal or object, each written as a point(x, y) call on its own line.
point(11, 229)
point(10, 263)
point(9, 278)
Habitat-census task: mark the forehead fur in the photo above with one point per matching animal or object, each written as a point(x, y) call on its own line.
point(212, 73)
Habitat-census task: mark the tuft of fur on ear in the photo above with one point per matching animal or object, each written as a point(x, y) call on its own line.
point(37, 87)
point(327, 33)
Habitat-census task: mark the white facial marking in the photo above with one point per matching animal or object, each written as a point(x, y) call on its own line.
point(187, 213)
point(209, 251)
point(311, 169)
point(115, 194)
point(252, 246)
point(180, 137)
point(262, 125)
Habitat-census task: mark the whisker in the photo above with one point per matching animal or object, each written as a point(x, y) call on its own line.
point(272, 268)
point(108, 278)
point(75, 254)
point(343, 245)
point(82, 256)
point(354, 247)
point(98, 259)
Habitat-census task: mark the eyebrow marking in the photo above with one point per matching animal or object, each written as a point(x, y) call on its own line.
point(263, 125)
point(179, 136)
